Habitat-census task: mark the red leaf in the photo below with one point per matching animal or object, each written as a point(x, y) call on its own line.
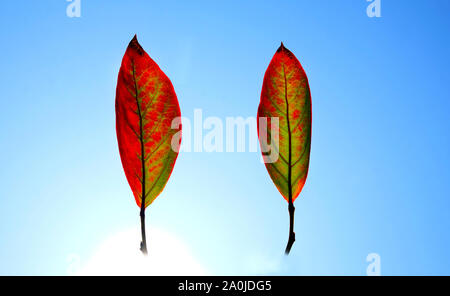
point(146, 105)
point(285, 94)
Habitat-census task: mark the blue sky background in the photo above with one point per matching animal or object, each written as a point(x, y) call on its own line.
point(380, 162)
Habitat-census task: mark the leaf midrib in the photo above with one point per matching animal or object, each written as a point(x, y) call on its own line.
point(141, 136)
point(289, 137)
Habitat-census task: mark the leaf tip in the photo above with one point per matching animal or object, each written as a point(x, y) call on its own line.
point(134, 44)
point(281, 48)
point(284, 50)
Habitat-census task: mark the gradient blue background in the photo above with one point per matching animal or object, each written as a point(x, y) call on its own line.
point(380, 161)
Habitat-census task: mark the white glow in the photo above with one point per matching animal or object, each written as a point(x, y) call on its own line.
point(120, 255)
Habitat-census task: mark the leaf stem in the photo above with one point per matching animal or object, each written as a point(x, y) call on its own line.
point(291, 227)
point(144, 240)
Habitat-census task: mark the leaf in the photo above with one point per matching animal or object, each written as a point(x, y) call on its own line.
point(146, 105)
point(286, 95)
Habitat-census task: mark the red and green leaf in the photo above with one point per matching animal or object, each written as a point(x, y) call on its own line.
point(146, 105)
point(286, 95)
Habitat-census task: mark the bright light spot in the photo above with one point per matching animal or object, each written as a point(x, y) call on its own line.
point(120, 255)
